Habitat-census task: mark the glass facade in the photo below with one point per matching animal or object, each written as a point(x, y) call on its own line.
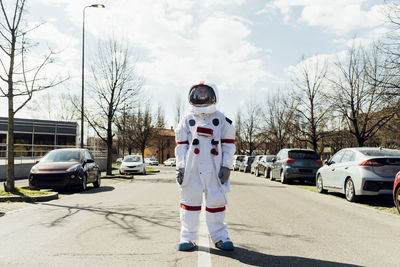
point(34, 138)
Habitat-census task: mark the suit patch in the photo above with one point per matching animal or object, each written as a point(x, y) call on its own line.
point(192, 122)
point(215, 122)
point(228, 120)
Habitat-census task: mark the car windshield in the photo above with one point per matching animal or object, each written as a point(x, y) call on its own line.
point(303, 154)
point(62, 156)
point(132, 159)
point(380, 153)
point(270, 158)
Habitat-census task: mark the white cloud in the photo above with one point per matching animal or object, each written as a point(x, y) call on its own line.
point(339, 16)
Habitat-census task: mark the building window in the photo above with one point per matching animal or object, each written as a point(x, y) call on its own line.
point(66, 140)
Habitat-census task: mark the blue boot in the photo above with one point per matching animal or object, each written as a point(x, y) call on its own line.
point(186, 246)
point(227, 245)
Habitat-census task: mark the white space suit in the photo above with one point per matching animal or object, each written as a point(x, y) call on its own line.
point(205, 142)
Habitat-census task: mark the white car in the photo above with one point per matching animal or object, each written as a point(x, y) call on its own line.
point(151, 161)
point(359, 171)
point(132, 164)
point(170, 162)
point(237, 160)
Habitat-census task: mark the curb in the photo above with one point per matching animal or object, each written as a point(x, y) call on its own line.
point(48, 197)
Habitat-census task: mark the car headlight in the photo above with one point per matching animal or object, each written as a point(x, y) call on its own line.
point(34, 169)
point(73, 168)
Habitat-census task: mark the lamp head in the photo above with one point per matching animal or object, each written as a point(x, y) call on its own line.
point(98, 5)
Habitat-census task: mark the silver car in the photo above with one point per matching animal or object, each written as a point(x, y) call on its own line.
point(237, 160)
point(359, 171)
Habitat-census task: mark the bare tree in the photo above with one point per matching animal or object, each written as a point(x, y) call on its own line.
point(19, 79)
point(360, 93)
point(278, 118)
point(179, 109)
point(309, 79)
point(141, 129)
point(250, 125)
point(56, 107)
point(240, 147)
point(160, 117)
point(114, 85)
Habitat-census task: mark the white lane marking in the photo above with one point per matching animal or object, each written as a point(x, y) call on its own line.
point(203, 257)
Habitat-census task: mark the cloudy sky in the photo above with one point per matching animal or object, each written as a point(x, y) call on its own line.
point(245, 47)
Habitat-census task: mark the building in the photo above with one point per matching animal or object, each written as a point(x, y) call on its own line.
point(162, 145)
point(34, 138)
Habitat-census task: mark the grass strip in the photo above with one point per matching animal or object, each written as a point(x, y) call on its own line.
point(23, 192)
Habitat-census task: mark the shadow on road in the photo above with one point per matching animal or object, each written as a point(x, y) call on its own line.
point(135, 221)
point(89, 190)
point(251, 257)
point(2, 214)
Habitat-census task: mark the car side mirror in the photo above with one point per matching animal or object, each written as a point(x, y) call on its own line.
point(89, 161)
point(274, 159)
point(327, 162)
point(36, 162)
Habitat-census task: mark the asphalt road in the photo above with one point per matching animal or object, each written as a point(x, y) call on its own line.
point(136, 223)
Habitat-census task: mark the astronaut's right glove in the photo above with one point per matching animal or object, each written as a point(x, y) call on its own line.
point(179, 175)
point(223, 174)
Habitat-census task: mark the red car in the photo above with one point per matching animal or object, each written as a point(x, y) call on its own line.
point(396, 191)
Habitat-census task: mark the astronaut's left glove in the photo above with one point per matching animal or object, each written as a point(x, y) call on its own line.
point(179, 175)
point(223, 174)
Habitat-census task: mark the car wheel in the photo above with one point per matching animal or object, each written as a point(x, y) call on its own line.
point(349, 191)
point(257, 173)
point(98, 181)
point(319, 185)
point(283, 178)
point(84, 185)
point(397, 198)
point(269, 174)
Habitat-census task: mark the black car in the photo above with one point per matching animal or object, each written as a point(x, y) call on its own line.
point(264, 166)
point(295, 164)
point(61, 168)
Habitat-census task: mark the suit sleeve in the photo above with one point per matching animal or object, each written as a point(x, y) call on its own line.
point(228, 143)
point(182, 144)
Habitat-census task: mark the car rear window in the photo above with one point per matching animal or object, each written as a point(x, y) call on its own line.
point(388, 161)
point(301, 154)
point(380, 153)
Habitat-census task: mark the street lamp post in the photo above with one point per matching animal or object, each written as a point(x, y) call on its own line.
point(83, 66)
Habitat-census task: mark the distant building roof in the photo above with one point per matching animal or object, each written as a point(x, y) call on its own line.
point(40, 126)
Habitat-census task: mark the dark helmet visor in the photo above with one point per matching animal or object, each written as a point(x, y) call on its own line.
point(202, 96)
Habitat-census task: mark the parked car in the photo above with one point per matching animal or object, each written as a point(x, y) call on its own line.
point(360, 171)
point(132, 164)
point(254, 163)
point(264, 166)
point(151, 161)
point(295, 164)
point(170, 162)
point(118, 161)
point(237, 160)
point(61, 168)
point(246, 163)
point(396, 191)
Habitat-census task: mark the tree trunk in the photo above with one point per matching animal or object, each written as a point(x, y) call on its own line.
point(10, 180)
point(10, 183)
point(109, 149)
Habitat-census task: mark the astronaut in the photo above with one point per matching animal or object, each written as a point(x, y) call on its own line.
point(205, 145)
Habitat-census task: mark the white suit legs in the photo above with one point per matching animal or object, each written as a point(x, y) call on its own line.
point(191, 199)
